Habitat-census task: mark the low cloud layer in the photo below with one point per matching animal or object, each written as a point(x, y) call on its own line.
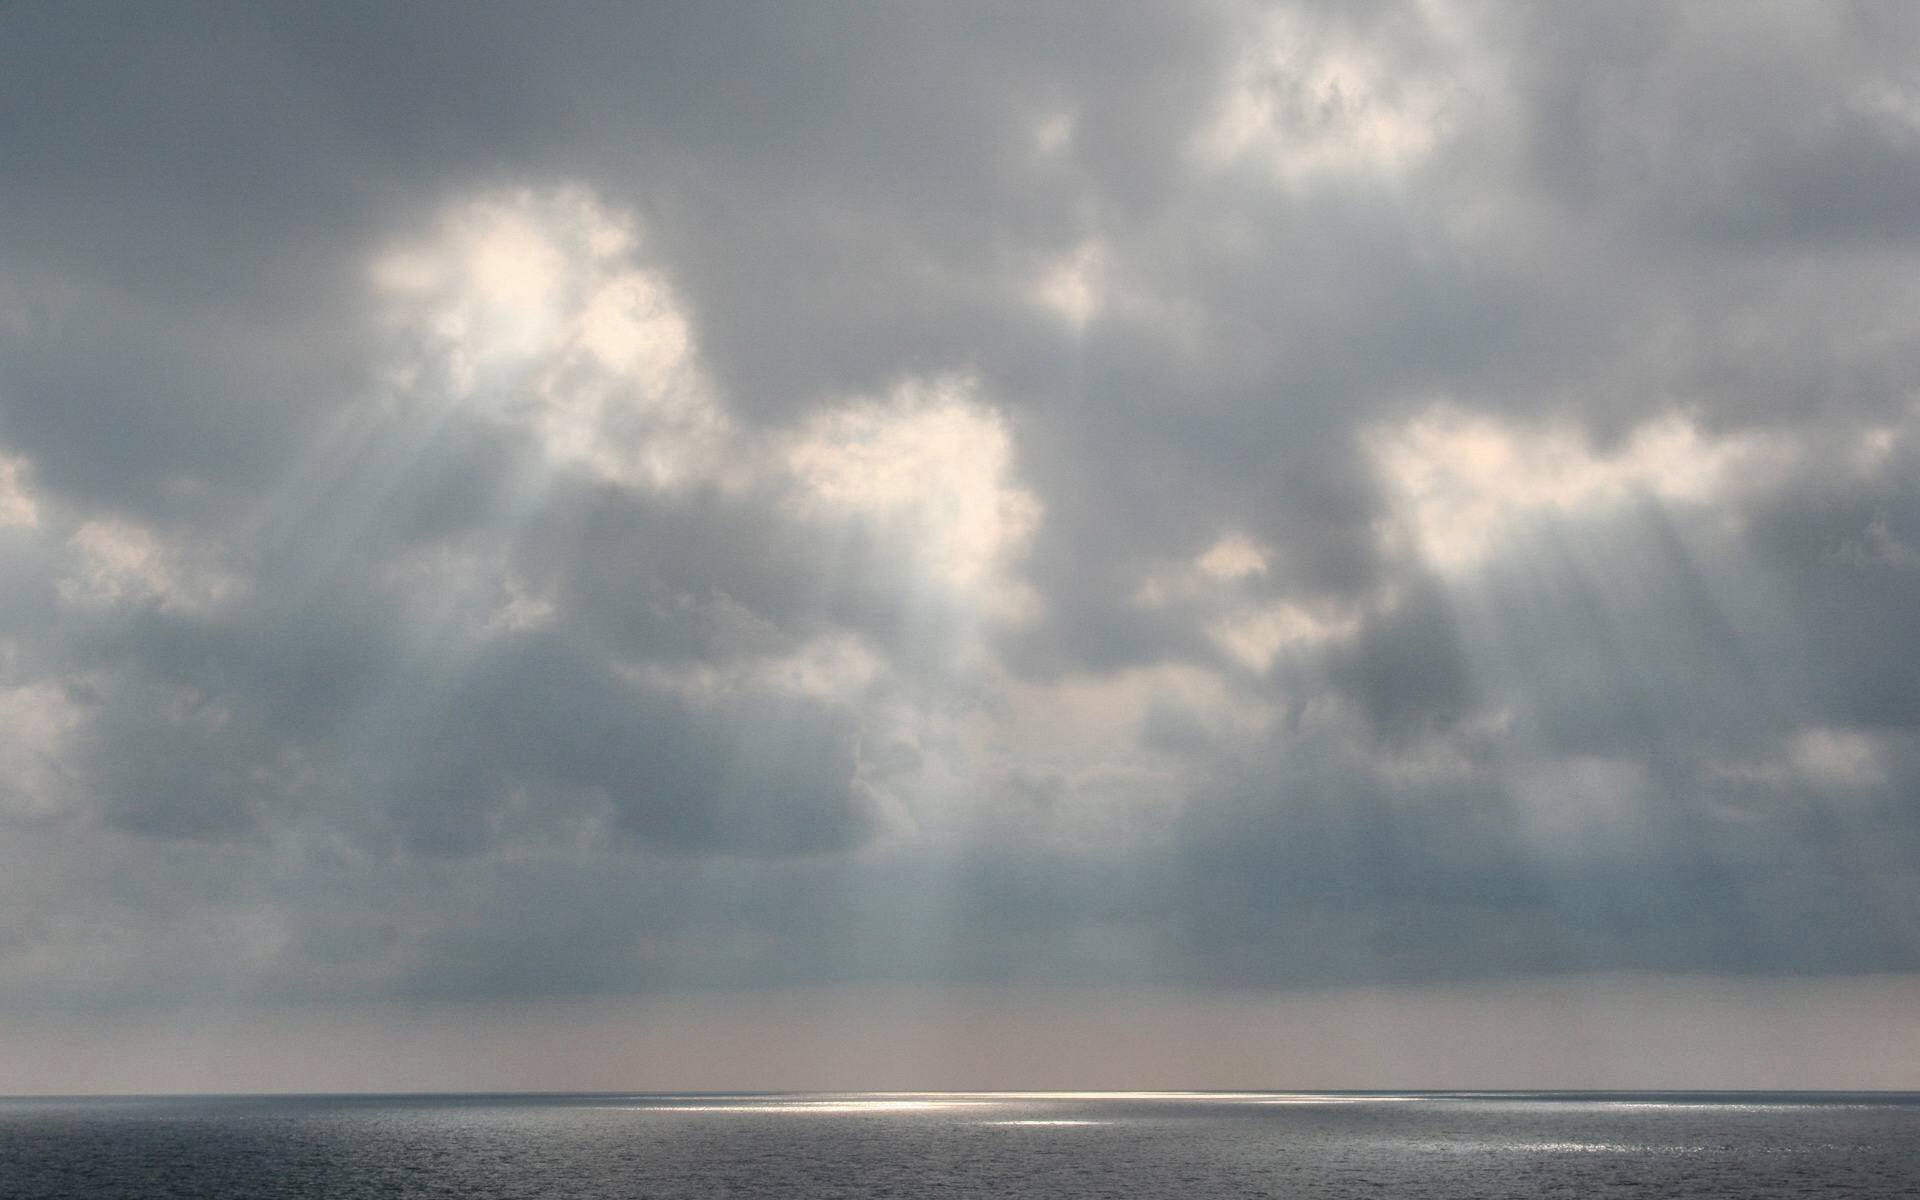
point(1186, 495)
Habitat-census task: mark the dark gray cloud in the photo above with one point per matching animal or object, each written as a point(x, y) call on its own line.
point(630, 498)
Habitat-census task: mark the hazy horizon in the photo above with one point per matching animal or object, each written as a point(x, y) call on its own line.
point(1612, 1034)
point(1156, 544)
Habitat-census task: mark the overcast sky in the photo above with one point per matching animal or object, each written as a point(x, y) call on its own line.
point(980, 512)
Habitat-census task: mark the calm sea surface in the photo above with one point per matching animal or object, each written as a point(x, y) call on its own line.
point(866, 1145)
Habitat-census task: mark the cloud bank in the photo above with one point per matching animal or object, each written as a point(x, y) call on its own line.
point(1187, 495)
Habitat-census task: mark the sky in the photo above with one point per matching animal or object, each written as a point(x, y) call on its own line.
point(1195, 544)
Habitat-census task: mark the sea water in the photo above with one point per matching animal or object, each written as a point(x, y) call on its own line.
point(1190, 1145)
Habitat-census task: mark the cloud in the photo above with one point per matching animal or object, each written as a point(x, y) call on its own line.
point(1315, 98)
point(1462, 479)
point(17, 507)
point(531, 309)
point(1209, 495)
point(931, 468)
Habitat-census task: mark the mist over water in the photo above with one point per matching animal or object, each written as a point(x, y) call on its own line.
point(1067, 1145)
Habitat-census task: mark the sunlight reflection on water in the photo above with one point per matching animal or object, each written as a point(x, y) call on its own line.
point(911, 1102)
point(805, 1106)
point(876, 1146)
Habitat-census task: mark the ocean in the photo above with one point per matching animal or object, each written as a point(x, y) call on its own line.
point(1195, 1146)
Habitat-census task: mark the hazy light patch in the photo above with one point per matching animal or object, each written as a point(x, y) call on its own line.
point(1075, 287)
point(1090, 716)
point(460, 589)
point(1253, 636)
point(927, 768)
point(229, 943)
point(933, 467)
point(1895, 99)
point(1838, 759)
point(1458, 754)
point(519, 609)
point(832, 666)
point(122, 563)
point(1113, 806)
point(1572, 806)
point(1234, 556)
point(1831, 760)
point(1059, 763)
point(835, 666)
point(1234, 559)
point(36, 720)
point(1067, 758)
point(1462, 479)
point(1880, 547)
point(18, 314)
point(1250, 632)
point(1093, 280)
point(17, 505)
point(1874, 448)
point(1053, 134)
point(1307, 100)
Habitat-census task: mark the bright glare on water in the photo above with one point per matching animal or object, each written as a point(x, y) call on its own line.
point(1065, 1145)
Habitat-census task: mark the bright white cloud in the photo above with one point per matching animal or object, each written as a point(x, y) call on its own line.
point(1462, 480)
point(532, 307)
point(1308, 99)
point(932, 465)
